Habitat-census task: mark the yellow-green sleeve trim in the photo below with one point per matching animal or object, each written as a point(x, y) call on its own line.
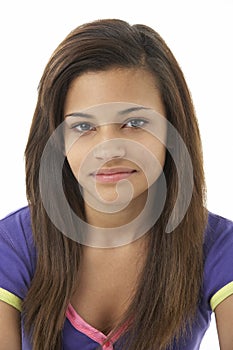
point(222, 294)
point(10, 299)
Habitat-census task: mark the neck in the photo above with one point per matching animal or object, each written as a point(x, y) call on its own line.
point(126, 226)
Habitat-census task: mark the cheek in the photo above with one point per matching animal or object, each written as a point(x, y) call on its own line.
point(159, 152)
point(75, 159)
point(154, 154)
point(81, 161)
point(155, 149)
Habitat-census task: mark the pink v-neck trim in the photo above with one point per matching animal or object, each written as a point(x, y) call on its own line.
point(81, 325)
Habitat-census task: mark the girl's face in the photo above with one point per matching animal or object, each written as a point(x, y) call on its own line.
point(115, 135)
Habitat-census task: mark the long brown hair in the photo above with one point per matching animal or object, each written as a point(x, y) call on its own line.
point(168, 289)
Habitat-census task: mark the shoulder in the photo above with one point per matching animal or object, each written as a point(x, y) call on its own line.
point(218, 229)
point(18, 256)
point(16, 227)
point(16, 233)
point(19, 217)
point(218, 238)
point(218, 254)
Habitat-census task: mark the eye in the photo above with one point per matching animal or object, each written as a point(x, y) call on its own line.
point(83, 127)
point(136, 123)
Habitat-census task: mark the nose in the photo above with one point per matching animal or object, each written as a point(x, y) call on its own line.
point(110, 145)
point(110, 149)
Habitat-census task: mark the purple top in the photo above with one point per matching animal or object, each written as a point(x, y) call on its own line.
point(18, 261)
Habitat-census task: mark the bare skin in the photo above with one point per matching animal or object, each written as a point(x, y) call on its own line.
point(107, 277)
point(106, 283)
point(224, 320)
point(10, 334)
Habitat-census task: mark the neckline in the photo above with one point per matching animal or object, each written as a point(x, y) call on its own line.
point(84, 327)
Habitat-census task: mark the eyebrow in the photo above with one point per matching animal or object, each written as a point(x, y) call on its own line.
point(132, 109)
point(123, 112)
point(79, 114)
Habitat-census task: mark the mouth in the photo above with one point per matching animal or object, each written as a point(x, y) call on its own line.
point(113, 174)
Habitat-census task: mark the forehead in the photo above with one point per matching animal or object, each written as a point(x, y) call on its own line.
point(112, 112)
point(135, 86)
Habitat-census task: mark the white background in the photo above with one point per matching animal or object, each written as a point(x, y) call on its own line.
point(198, 32)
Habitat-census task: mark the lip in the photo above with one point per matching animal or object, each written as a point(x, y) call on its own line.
point(113, 174)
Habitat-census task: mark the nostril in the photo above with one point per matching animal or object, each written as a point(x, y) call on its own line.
point(106, 151)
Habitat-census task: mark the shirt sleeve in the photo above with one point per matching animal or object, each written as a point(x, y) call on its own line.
point(218, 271)
point(17, 257)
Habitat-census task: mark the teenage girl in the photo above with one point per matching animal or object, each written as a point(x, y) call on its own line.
point(116, 249)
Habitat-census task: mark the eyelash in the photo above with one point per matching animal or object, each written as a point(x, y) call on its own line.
point(124, 125)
